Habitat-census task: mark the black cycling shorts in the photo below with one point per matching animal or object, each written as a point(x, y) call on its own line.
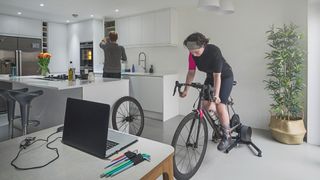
point(225, 89)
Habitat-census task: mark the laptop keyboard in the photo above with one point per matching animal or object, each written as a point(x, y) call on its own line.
point(111, 144)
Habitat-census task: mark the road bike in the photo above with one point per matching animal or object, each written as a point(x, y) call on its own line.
point(191, 136)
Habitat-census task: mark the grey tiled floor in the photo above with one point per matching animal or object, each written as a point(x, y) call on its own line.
point(279, 161)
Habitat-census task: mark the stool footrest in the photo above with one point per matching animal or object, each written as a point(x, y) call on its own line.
point(35, 123)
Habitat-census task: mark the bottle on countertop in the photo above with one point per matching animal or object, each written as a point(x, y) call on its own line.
point(71, 72)
point(151, 69)
point(133, 69)
point(123, 66)
point(13, 70)
point(85, 73)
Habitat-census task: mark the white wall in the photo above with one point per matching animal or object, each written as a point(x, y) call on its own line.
point(57, 37)
point(242, 40)
point(98, 54)
point(57, 46)
point(313, 113)
point(90, 30)
point(78, 32)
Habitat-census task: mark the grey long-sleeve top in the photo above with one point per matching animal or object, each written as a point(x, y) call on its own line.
point(113, 54)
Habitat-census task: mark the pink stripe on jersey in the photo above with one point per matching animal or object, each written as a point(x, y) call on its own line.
point(192, 64)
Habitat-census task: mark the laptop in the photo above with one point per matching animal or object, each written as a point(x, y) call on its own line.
point(86, 128)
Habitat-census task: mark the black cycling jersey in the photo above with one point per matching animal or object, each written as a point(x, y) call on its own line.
point(212, 61)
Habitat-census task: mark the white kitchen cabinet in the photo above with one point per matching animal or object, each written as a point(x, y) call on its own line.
point(15, 26)
point(147, 28)
point(9, 25)
point(154, 93)
point(30, 27)
point(148, 91)
point(162, 27)
point(156, 28)
point(134, 35)
point(122, 26)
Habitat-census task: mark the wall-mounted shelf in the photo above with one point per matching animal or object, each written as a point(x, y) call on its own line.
point(44, 36)
point(108, 27)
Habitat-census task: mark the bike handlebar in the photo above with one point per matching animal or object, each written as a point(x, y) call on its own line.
point(179, 85)
point(194, 85)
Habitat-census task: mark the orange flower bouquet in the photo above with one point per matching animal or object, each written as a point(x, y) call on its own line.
point(44, 59)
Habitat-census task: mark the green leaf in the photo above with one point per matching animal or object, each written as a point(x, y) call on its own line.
point(285, 68)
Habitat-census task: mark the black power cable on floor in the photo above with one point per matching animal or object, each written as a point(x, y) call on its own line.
point(31, 140)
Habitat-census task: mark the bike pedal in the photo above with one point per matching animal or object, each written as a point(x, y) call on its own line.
point(215, 140)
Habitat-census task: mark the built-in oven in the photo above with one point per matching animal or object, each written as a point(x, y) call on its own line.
point(86, 58)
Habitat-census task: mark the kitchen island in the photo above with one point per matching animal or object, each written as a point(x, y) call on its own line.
point(49, 108)
point(154, 93)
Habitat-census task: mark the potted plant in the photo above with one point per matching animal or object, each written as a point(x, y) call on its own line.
point(285, 84)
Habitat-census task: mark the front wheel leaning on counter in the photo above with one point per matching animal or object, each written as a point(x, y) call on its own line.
point(128, 116)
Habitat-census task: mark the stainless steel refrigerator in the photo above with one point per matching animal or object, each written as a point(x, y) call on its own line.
point(21, 53)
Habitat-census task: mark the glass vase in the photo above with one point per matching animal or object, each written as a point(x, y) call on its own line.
point(44, 71)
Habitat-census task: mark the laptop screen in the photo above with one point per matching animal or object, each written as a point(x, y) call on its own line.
point(86, 126)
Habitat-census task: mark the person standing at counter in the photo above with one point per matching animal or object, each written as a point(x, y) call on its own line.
point(113, 54)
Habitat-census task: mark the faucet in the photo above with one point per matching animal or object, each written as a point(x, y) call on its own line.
point(145, 61)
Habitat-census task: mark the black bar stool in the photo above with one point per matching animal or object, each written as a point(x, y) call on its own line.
point(11, 103)
point(24, 99)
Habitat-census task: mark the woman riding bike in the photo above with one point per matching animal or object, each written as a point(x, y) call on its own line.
point(208, 58)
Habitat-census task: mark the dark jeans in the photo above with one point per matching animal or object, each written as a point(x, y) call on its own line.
point(111, 75)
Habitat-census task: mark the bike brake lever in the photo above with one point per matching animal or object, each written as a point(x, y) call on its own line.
point(175, 88)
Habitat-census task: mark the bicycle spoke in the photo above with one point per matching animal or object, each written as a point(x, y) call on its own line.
point(133, 128)
point(137, 122)
point(182, 138)
point(177, 152)
point(186, 160)
point(126, 127)
point(126, 106)
point(121, 112)
point(119, 123)
point(121, 118)
point(189, 165)
point(195, 157)
point(122, 125)
point(182, 158)
point(133, 108)
point(198, 152)
point(136, 115)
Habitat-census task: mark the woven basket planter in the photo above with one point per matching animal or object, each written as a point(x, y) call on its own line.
point(287, 131)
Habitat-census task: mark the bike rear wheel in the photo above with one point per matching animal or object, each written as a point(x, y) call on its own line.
point(128, 116)
point(189, 155)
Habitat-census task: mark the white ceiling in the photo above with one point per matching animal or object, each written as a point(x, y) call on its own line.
point(62, 10)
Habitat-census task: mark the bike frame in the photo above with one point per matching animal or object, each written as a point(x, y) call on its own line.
point(203, 114)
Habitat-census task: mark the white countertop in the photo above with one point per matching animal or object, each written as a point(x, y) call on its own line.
point(57, 84)
point(72, 163)
point(146, 74)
